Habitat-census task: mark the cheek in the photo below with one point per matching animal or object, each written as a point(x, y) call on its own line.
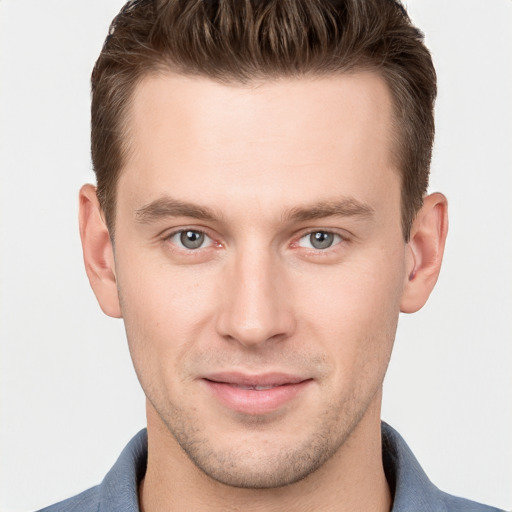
point(159, 293)
point(164, 308)
point(367, 288)
point(354, 312)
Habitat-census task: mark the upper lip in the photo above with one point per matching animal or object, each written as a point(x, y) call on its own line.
point(262, 379)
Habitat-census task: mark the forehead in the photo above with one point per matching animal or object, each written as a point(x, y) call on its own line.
point(274, 142)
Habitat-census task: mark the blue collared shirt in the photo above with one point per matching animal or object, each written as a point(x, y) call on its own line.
point(412, 490)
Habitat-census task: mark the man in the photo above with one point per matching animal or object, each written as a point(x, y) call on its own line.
point(259, 222)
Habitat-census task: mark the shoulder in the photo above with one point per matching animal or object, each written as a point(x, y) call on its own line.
point(411, 488)
point(86, 501)
point(455, 504)
point(119, 489)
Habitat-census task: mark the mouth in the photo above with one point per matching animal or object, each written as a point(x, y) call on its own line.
point(254, 387)
point(255, 394)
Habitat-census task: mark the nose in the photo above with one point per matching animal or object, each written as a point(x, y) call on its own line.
point(255, 307)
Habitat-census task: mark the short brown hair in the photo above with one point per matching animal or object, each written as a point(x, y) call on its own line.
point(244, 40)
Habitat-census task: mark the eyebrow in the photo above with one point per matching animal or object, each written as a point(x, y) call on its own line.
point(344, 207)
point(169, 207)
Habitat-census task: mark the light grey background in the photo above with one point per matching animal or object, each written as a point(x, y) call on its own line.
point(69, 399)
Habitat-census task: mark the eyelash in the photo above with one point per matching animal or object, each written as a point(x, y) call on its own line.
point(170, 236)
point(342, 239)
point(330, 251)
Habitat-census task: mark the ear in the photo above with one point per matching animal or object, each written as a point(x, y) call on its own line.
point(98, 252)
point(425, 252)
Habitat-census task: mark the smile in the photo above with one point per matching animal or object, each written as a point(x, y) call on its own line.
point(256, 388)
point(255, 394)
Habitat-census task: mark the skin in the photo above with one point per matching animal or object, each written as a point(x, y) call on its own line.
point(257, 169)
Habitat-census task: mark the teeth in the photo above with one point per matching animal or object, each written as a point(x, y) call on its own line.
point(255, 388)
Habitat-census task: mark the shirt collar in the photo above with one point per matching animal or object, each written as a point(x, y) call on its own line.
point(119, 490)
point(410, 486)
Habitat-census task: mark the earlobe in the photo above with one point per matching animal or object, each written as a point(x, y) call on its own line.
point(98, 252)
point(425, 252)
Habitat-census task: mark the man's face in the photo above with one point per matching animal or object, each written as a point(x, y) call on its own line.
point(260, 264)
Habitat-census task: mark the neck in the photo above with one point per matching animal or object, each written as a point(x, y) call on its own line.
point(353, 479)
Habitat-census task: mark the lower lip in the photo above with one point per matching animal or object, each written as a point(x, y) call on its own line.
point(252, 401)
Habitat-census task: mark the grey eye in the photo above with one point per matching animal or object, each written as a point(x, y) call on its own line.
point(191, 239)
point(321, 239)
